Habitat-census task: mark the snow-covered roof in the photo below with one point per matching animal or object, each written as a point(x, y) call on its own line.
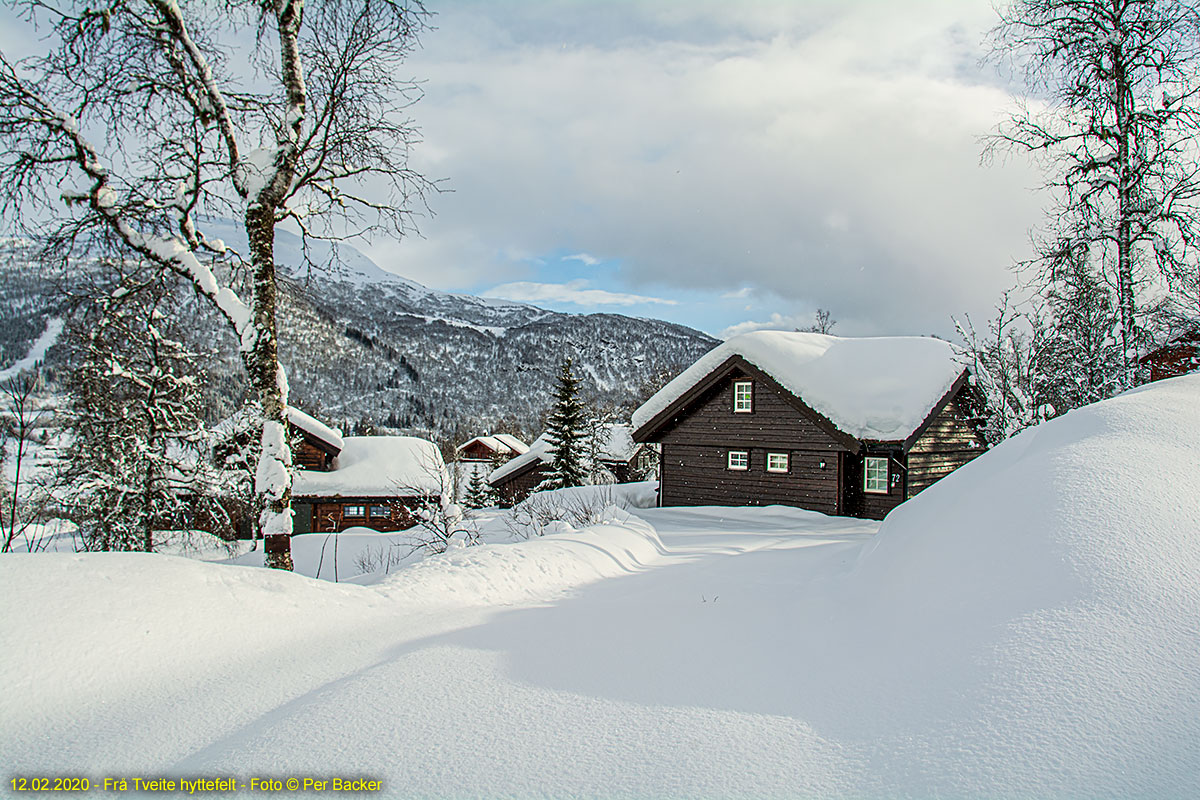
point(315, 427)
point(513, 443)
point(378, 466)
point(538, 451)
point(873, 388)
point(501, 443)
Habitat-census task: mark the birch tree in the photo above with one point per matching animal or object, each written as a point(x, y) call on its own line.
point(1113, 113)
point(150, 116)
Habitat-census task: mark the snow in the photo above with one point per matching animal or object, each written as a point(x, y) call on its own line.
point(499, 443)
point(37, 351)
point(511, 442)
point(873, 388)
point(1024, 628)
point(317, 428)
point(256, 170)
point(618, 445)
point(538, 451)
point(378, 466)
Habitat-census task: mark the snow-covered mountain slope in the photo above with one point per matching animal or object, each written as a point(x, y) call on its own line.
point(1025, 628)
point(365, 345)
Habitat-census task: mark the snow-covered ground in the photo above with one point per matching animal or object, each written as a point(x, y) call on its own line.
point(1027, 627)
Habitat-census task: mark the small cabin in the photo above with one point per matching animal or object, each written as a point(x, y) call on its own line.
point(374, 482)
point(1177, 357)
point(481, 455)
point(341, 482)
point(849, 427)
point(616, 461)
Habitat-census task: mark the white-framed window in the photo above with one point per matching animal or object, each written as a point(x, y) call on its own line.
point(381, 512)
point(777, 462)
point(743, 397)
point(875, 475)
point(354, 511)
point(739, 460)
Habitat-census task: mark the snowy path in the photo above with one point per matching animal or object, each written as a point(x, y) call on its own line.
point(658, 680)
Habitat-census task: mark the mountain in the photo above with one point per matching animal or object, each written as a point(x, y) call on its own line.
point(362, 345)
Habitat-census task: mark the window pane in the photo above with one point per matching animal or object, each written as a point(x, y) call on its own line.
point(354, 511)
point(381, 512)
point(743, 393)
point(875, 475)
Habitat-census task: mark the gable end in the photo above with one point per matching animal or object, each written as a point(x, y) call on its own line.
point(733, 364)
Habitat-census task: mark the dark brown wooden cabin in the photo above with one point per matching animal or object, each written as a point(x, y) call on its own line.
point(783, 452)
point(517, 480)
point(1177, 357)
point(330, 515)
point(519, 484)
point(310, 451)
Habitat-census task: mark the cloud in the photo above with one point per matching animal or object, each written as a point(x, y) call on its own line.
point(576, 292)
point(777, 322)
point(584, 258)
point(824, 153)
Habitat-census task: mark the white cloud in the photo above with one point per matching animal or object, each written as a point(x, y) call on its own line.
point(584, 258)
point(825, 153)
point(576, 292)
point(777, 322)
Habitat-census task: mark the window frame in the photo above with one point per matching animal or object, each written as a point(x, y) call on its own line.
point(887, 474)
point(383, 507)
point(729, 461)
point(749, 398)
point(787, 463)
point(347, 512)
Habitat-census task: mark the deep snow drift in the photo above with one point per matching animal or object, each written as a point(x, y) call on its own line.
point(1026, 627)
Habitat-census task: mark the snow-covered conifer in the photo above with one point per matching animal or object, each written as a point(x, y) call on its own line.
point(566, 432)
point(136, 459)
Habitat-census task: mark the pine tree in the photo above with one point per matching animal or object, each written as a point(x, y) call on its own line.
point(565, 433)
point(480, 493)
point(136, 461)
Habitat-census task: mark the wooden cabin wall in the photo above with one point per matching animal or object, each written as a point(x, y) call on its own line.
point(328, 513)
point(695, 449)
point(515, 489)
point(857, 502)
point(947, 444)
point(307, 455)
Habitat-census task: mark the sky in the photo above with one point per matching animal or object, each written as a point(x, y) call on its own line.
point(725, 165)
point(729, 166)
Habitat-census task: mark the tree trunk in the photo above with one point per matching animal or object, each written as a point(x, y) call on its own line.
point(1123, 101)
point(273, 481)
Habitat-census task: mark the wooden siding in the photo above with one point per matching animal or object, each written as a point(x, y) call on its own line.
point(946, 444)
point(307, 455)
point(696, 443)
point(857, 501)
point(516, 487)
point(328, 513)
point(695, 475)
point(1173, 360)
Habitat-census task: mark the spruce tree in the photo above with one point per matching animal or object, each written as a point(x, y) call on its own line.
point(480, 494)
point(136, 461)
point(565, 433)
